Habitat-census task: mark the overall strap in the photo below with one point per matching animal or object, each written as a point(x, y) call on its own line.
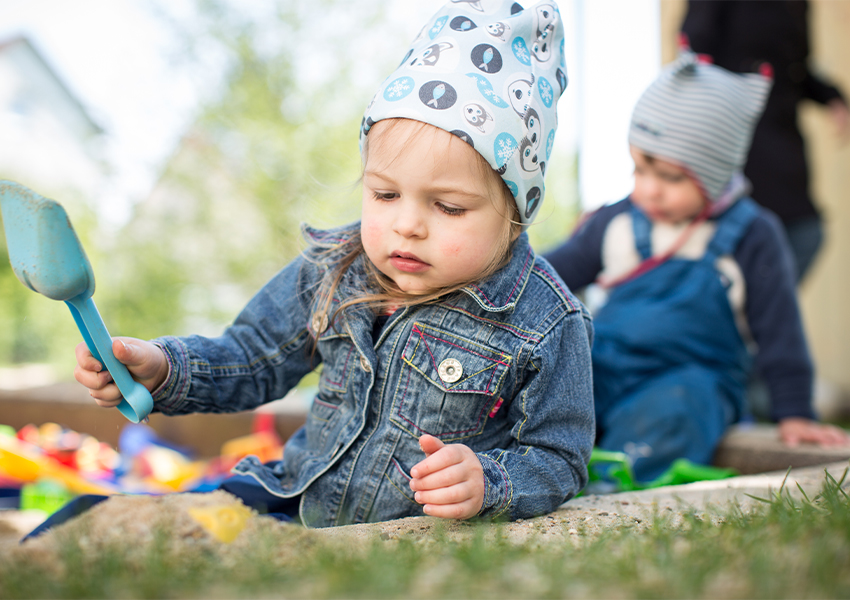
point(643, 233)
point(642, 228)
point(731, 227)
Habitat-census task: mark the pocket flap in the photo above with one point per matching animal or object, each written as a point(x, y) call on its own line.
point(467, 366)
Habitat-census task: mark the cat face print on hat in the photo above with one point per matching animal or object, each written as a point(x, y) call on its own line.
point(490, 72)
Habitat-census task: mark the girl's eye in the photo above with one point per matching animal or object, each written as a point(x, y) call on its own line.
point(451, 210)
point(385, 196)
point(673, 178)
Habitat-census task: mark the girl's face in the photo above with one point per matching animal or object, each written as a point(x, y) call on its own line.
point(429, 210)
point(664, 191)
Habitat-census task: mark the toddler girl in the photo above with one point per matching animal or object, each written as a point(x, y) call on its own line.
point(456, 377)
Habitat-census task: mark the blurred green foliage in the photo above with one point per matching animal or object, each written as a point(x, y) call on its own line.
point(275, 147)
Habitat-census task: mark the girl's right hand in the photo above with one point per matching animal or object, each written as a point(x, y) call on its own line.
point(145, 361)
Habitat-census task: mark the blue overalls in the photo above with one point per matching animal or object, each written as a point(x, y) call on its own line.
point(669, 364)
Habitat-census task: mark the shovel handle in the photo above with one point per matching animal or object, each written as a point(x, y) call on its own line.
point(137, 402)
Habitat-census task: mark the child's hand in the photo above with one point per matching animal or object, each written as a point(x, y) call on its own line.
point(795, 430)
point(145, 361)
point(450, 481)
point(841, 117)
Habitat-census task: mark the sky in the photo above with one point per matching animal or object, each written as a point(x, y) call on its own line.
point(119, 59)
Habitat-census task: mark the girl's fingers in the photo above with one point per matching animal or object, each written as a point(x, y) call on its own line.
point(107, 403)
point(429, 444)
point(463, 510)
point(93, 380)
point(85, 358)
point(455, 494)
point(108, 395)
point(451, 475)
point(439, 460)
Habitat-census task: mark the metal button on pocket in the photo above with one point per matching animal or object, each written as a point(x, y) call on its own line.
point(450, 370)
point(364, 364)
point(319, 323)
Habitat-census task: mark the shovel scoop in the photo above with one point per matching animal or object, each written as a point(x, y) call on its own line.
point(47, 257)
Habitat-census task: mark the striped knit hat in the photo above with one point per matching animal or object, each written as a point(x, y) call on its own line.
point(491, 73)
point(701, 117)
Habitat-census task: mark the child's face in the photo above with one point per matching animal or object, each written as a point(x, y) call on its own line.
point(664, 191)
point(429, 211)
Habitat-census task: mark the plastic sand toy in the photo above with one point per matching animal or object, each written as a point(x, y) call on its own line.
point(46, 495)
point(224, 522)
point(612, 472)
point(25, 462)
point(47, 257)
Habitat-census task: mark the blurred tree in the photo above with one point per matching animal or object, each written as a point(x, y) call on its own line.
point(277, 147)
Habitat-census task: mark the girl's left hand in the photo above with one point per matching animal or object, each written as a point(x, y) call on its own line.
point(450, 481)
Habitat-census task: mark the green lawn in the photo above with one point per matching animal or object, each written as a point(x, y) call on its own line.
point(785, 548)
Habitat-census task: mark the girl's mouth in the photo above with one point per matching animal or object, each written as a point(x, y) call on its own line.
point(407, 262)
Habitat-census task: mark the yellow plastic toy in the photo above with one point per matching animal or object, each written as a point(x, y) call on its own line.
point(19, 460)
point(223, 521)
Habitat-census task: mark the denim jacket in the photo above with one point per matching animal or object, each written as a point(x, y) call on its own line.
point(502, 366)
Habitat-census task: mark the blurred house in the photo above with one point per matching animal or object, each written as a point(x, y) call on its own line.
point(48, 141)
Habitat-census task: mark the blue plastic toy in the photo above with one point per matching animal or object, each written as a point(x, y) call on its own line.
point(47, 257)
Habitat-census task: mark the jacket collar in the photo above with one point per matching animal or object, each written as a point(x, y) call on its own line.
point(501, 291)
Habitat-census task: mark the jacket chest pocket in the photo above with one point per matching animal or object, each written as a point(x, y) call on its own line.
point(448, 384)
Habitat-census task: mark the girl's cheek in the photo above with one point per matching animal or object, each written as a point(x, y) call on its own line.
point(452, 250)
point(370, 232)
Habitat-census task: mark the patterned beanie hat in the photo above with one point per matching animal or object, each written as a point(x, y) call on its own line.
point(701, 117)
point(491, 73)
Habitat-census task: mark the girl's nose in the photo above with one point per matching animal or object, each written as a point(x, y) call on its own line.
point(409, 221)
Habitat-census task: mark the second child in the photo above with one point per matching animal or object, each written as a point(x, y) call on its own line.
point(699, 280)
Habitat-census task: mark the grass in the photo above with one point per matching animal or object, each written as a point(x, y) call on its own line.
point(787, 547)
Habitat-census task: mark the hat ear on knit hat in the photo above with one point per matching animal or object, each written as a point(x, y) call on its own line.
point(491, 73)
point(702, 117)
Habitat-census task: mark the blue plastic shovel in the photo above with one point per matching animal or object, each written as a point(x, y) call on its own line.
point(47, 257)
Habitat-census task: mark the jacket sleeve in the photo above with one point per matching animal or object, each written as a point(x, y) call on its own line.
point(782, 357)
point(258, 359)
point(553, 431)
point(579, 259)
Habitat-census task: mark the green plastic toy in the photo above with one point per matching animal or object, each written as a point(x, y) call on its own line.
point(46, 495)
point(622, 479)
